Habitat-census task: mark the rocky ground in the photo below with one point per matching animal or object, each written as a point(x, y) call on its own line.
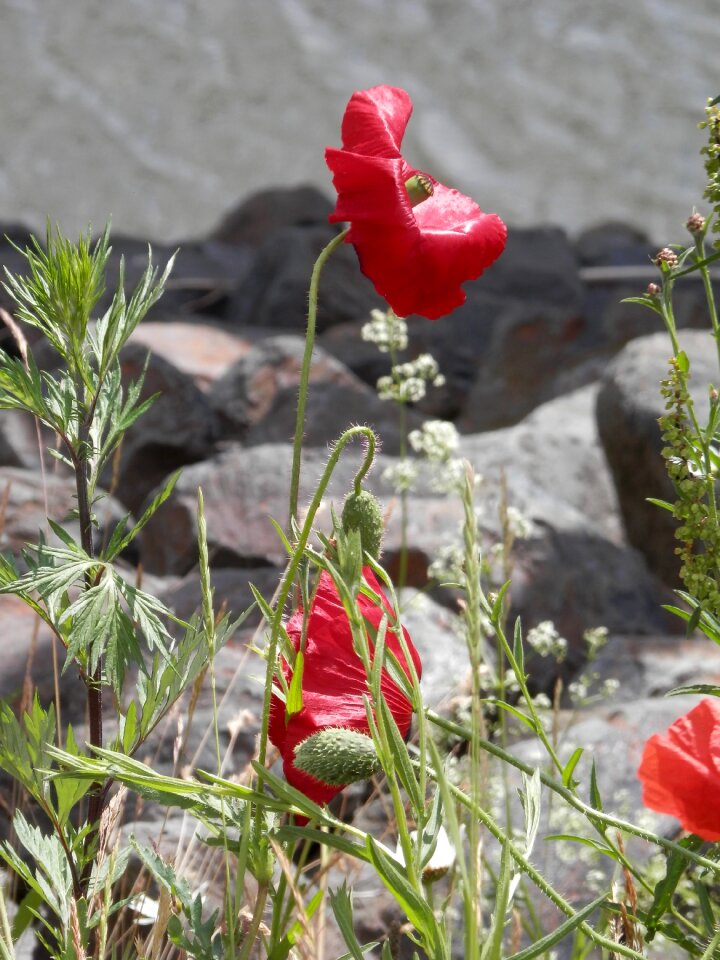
point(552, 381)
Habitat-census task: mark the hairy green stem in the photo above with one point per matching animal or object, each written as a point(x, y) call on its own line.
point(712, 947)
point(305, 373)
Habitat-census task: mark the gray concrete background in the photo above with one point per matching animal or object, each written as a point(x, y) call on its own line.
point(163, 113)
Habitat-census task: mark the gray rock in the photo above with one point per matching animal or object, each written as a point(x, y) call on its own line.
point(275, 292)
point(200, 350)
point(260, 215)
point(21, 440)
point(243, 489)
point(628, 408)
point(179, 428)
point(652, 666)
point(256, 400)
point(555, 451)
point(29, 497)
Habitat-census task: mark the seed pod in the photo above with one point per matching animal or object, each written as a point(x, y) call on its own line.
point(362, 512)
point(337, 756)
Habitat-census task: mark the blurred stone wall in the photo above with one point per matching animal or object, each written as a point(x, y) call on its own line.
point(164, 112)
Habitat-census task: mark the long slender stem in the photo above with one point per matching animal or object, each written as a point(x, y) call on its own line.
point(81, 464)
point(305, 372)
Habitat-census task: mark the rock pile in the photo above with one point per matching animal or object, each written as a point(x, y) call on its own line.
point(541, 340)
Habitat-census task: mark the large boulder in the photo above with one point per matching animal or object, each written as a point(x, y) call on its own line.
point(243, 489)
point(203, 351)
point(180, 427)
point(252, 221)
point(29, 496)
point(628, 408)
point(274, 293)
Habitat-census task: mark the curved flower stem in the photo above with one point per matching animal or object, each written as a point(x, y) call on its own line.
point(292, 568)
point(305, 372)
point(571, 798)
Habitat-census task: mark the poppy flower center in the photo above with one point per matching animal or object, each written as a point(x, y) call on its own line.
point(419, 188)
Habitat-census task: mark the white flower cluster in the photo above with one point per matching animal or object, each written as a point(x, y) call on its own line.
point(520, 526)
point(586, 689)
point(386, 330)
point(546, 641)
point(436, 439)
point(595, 639)
point(408, 381)
point(401, 475)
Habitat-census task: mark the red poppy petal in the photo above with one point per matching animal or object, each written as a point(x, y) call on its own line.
point(369, 188)
point(679, 772)
point(422, 272)
point(375, 121)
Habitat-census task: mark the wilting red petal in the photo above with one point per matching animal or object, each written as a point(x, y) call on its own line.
point(375, 120)
point(417, 257)
point(334, 679)
point(680, 772)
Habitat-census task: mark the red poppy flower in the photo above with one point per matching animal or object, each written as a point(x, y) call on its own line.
point(334, 679)
point(680, 773)
point(416, 256)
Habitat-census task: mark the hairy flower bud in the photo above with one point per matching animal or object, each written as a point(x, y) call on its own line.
point(666, 255)
point(362, 512)
point(652, 290)
point(337, 756)
point(695, 223)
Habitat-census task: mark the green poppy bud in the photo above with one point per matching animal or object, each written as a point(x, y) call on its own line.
point(419, 188)
point(337, 756)
point(362, 512)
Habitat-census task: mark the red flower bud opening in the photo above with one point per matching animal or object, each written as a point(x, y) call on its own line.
point(416, 256)
point(334, 679)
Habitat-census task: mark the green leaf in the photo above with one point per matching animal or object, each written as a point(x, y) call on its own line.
point(393, 876)
point(518, 651)
point(431, 830)
point(52, 877)
point(493, 946)
point(24, 747)
point(294, 699)
point(342, 911)
point(664, 889)
point(497, 607)
point(509, 708)
point(290, 795)
point(120, 539)
point(572, 923)
point(401, 758)
point(69, 791)
point(27, 911)
point(595, 798)
point(586, 841)
point(569, 768)
point(703, 689)
point(663, 504)
point(163, 873)
point(351, 846)
point(128, 727)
